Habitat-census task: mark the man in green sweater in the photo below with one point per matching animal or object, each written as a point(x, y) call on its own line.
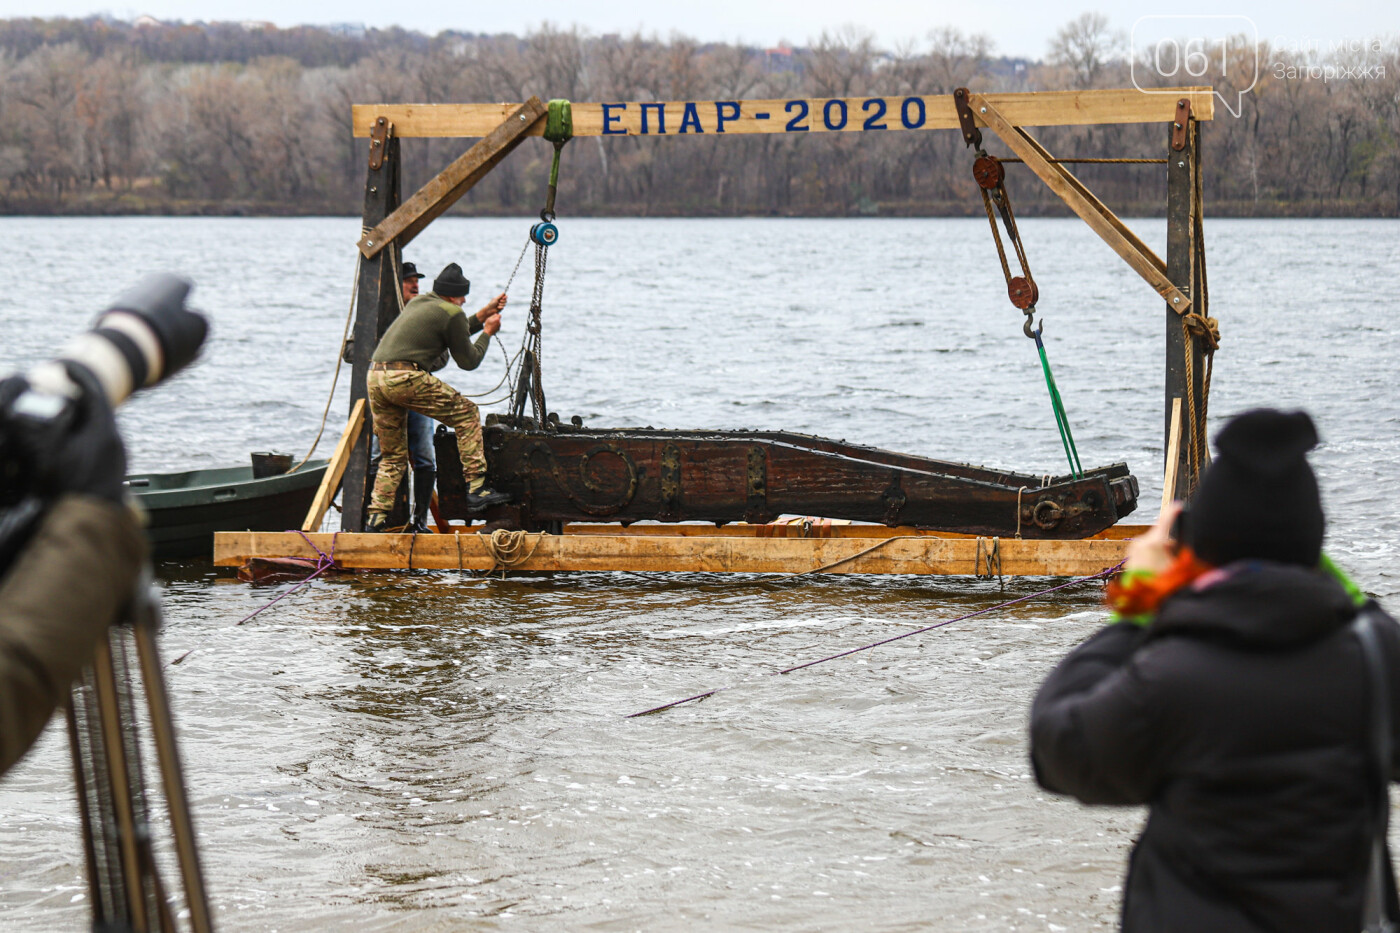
point(399, 382)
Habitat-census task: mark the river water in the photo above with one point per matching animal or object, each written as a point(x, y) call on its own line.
point(431, 752)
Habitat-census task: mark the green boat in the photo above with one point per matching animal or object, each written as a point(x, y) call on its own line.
point(185, 509)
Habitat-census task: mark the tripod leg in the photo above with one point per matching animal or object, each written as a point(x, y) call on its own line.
point(168, 757)
point(80, 784)
point(109, 715)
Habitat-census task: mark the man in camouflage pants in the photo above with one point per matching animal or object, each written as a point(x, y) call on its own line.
point(399, 382)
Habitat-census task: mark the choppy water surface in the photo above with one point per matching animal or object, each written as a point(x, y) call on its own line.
point(429, 751)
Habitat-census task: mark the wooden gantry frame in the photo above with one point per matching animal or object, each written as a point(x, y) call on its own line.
point(389, 224)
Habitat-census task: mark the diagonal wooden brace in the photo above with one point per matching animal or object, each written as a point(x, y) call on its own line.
point(440, 193)
point(1082, 201)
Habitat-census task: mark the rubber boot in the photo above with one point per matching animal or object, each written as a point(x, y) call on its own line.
point(423, 480)
point(374, 522)
point(483, 497)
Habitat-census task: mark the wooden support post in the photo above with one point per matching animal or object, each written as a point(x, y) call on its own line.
point(442, 191)
point(335, 470)
point(377, 303)
point(1173, 454)
point(1080, 200)
point(1181, 269)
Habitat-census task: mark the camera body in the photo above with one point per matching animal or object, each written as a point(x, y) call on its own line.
point(146, 336)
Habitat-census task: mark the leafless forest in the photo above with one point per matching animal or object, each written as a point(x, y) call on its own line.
point(99, 116)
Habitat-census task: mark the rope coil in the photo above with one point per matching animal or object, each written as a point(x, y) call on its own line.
point(507, 548)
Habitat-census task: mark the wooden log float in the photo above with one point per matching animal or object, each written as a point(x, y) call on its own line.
point(860, 549)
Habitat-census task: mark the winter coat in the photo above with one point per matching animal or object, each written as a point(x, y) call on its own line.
point(1240, 717)
point(62, 592)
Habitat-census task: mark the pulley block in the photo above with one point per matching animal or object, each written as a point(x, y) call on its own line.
point(988, 171)
point(545, 234)
point(1023, 292)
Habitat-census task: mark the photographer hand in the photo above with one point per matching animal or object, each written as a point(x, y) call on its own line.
point(75, 451)
point(1155, 549)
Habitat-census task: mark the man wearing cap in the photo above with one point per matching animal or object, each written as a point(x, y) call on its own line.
point(1231, 694)
point(421, 455)
point(400, 382)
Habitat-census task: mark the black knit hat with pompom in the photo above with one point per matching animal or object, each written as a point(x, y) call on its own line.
point(1259, 497)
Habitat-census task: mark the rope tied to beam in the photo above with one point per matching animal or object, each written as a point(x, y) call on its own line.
point(507, 548)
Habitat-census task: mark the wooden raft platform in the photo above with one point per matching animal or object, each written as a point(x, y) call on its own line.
point(736, 548)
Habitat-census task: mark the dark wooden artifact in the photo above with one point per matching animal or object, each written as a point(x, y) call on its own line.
point(575, 474)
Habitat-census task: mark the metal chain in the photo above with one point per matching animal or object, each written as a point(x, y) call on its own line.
point(535, 328)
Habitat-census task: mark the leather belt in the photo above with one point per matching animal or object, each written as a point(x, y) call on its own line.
point(397, 364)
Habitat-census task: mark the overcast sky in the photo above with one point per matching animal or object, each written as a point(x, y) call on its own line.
point(1018, 27)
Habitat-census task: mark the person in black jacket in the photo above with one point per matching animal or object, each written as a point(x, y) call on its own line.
point(1231, 697)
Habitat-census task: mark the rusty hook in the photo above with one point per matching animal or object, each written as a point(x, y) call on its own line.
point(1026, 327)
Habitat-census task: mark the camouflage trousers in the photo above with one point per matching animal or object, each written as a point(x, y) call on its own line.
point(392, 394)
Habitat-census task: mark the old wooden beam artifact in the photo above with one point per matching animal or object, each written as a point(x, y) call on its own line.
point(570, 473)
point(795, 115)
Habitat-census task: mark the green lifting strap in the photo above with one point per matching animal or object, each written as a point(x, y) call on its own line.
point(1061, 419)
point(559, 122)
point(558, 129)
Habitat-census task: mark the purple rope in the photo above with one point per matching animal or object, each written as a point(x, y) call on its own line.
point(885, 641)
point(323, 563)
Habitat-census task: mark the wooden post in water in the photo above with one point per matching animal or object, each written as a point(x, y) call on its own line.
point(1183, 162)
point(376, 304)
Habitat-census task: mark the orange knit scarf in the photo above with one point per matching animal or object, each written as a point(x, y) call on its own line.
point(1139, 595)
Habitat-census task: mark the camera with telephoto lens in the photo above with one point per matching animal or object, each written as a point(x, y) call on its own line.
point(146, 336)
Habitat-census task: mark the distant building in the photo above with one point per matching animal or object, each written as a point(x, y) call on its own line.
point(257, 25)
point(147, 22)
point(351, 30)
point(779, 58)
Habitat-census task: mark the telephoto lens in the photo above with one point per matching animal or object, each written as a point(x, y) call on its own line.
point(146, 336)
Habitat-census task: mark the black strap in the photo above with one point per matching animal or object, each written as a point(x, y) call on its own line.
point(1374, 916)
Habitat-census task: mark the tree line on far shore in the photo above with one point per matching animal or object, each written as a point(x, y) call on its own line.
point(99, 116)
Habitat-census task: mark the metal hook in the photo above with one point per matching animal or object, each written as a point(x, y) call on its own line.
point(1026, 327)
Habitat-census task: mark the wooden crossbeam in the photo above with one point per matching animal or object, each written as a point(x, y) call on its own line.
point(797, 115)
point(335, 470)
point(1080, 200)
point(443, 190)
point(713, 553)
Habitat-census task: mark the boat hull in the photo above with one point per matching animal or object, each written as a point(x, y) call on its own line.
point(185, 509)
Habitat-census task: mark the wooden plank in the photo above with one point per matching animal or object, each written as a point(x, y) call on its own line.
point(915, 554)
point(1089, 209)
point(796, 115)
point(442, 191)
point(335, 470)
point(1169, 477)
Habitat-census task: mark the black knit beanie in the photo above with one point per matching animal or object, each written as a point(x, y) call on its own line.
point(1259, 497)
point(450, 282)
